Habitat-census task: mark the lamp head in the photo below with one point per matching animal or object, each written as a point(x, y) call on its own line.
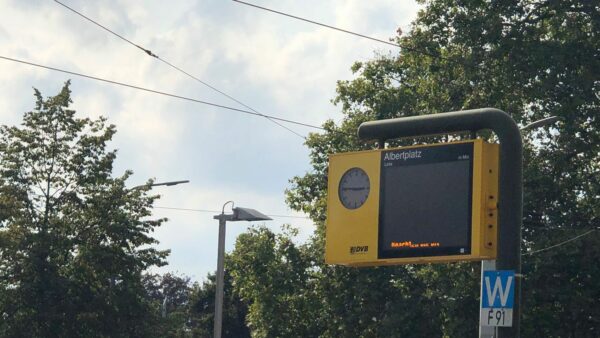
point(247, 214)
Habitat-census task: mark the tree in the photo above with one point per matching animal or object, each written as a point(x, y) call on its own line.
point(74, 241)
point(202, 308)
point(532, 59)
point(187, 310)
point(271, 274)
point(170, 296)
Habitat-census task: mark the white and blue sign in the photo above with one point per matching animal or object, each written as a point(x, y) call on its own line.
point(497, 297)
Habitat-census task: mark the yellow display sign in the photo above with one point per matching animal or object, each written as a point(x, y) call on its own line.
point(418, 204)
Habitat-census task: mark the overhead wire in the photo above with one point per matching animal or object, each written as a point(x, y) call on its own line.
point(218, 211)
point(317, 23)
point(150, 53)
point(559, 244)
point(232, 98)
point(415, 50)
point(161, 92)
point(304, 217)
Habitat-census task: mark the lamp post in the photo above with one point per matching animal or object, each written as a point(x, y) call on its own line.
point(239, 214)
point(168, 184)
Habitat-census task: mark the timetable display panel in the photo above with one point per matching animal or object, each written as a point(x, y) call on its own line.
point(426, 201)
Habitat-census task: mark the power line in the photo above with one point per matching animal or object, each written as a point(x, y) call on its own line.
point(345, 31)
point(218, 211)
point(163, 93)
point(230, 97)
point(106, 29)
point(318, 23)
point(559, 244)
point(150, 53)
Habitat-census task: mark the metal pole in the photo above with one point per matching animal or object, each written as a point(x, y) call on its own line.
point(510, 201)
point(164, 307)
point(486, 331)
point(219, 282)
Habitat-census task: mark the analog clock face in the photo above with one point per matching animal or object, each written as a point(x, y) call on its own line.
point(354, 188)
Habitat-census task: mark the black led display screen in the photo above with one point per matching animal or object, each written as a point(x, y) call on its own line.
point(426, 201)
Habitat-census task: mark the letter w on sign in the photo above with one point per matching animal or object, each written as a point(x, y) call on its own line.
point(498, 289)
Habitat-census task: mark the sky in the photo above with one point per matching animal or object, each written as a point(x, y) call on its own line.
point(277, 65)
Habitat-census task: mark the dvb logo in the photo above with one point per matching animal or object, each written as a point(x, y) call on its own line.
point(359, 249)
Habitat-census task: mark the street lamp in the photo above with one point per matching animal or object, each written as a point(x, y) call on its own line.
point(239, 214)
point(168, 184)
point(540, 123)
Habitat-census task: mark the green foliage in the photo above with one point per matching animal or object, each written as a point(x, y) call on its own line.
point(561, 289)
point(532, 59)
point(74, 241)
point(376, 302)
point(170, 296)
point(271, 274)
point(202, 309)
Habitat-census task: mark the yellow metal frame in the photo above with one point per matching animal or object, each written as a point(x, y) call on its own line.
point(352, 234)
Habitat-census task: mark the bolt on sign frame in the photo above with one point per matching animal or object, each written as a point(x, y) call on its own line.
point(418, 204)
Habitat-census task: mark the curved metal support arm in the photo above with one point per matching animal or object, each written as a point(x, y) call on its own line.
point(422, 125)
point(510, 199)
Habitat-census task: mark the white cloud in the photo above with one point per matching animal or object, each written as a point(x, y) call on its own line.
point(275, 64)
